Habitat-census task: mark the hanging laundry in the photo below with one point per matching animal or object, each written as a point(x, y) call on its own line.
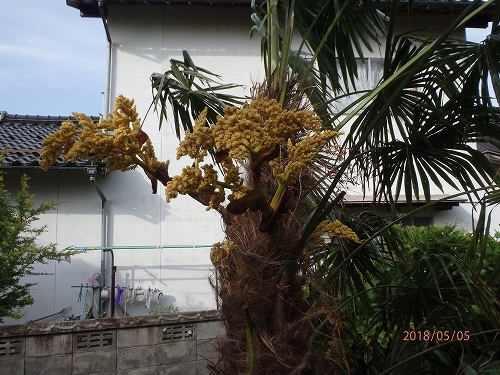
point(129, 294)
point(148, 298)
point(158, 297)
point(82, 316)
point(139, 294)
point(119, 294)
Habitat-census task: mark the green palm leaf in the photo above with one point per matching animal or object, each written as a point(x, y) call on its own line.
point(338, 31)
point(189, 89)
point(422, 134)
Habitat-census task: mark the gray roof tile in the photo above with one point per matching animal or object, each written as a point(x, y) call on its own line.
point(21, 138)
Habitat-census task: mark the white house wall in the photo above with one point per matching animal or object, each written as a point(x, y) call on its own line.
point(138, 219)
point(220, 43)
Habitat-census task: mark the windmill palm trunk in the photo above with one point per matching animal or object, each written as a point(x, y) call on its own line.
point(260, 339)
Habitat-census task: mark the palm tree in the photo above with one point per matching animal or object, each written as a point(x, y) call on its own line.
point(297, 276)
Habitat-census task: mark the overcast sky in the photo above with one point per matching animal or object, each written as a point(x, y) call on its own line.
point(52, 60)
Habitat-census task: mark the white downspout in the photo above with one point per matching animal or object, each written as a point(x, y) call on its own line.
point(107, 83)
point(105, 115)
point(92, 172)
point(107, 73)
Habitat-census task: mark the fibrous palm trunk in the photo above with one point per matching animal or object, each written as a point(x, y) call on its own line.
point(261, 339)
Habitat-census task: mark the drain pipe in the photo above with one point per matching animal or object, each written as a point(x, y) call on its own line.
point(107, 73)
point(105, 115)
point(92, 172)
point(113, 283)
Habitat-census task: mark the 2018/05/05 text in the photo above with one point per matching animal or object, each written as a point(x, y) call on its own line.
point(436, 335)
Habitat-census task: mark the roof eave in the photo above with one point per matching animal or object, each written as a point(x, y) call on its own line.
point(53, 168)
point(86, 10)
point(89, 8)
point(438, 203)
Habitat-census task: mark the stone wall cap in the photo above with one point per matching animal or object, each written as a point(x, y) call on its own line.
point(31, 329)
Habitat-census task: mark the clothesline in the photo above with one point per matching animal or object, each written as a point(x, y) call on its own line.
point(138, 247)
point(85, 286)
point(116, 287)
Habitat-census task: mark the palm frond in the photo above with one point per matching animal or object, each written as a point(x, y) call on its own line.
point(188, 89)
point(338, 31)
point(421, 127)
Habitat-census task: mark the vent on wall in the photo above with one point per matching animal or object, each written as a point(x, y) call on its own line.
point(10, 347)
point(177, 332)
point(94, 340)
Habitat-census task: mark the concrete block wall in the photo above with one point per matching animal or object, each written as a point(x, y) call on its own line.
point(181, 343)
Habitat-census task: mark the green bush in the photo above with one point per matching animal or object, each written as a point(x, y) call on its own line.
point(427, 287)
point(19, 250)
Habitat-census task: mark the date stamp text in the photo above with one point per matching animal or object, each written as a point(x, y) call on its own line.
point(436, 335)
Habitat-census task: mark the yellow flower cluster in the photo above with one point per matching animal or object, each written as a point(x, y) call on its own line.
point(333, 229)
point(118, 141)
point(300, 154)
point(241, 133)
point(187, 181)
point(201, 181)
point(231, 173)
point(238, 192)
point(258, 125)
point(196, 144)
point(221, 251)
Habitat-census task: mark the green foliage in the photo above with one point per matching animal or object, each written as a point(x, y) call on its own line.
point(424, 287)
point(19, 250)
point(189, 89)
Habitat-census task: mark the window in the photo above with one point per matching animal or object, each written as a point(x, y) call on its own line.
point(370, 73)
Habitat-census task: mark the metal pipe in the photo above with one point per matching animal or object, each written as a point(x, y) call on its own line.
point(104, 235)
point(69, 308)
point(107, 72)
point(105, 115)
point(113, 282)
point(100, 5)
point(99, 191)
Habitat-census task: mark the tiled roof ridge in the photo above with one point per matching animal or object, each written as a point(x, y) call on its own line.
point(21, 138)
point(7, 117)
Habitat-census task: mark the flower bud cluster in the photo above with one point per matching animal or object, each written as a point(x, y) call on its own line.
point(200, 181)
point(221, 251)
point(333, 229)
point(260, 124)
point(239, 136)
point(299, 155)
point(196, 144)
point(241, 133)
point(116, 141)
